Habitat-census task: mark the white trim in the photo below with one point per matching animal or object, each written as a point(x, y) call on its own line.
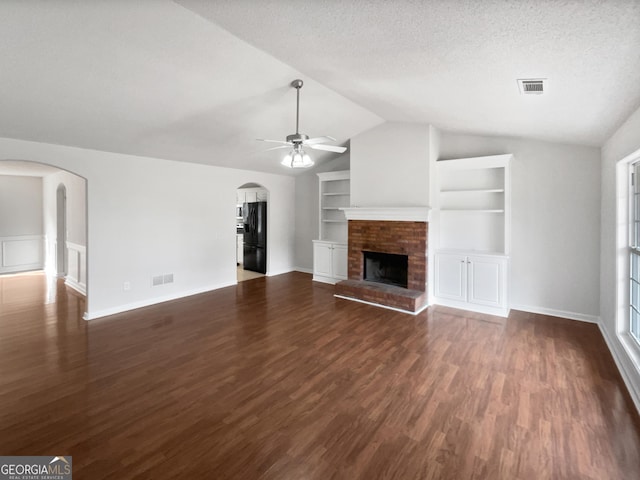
point(303, 270)
point(146, 303)
point(582, 317)
point(78, 287)
point(396, 214)
point(325, 279)
point(278, 272)
point(339, 175)
point(5, 267)
point(471, 307)
point(618, 358)
point(383, 306)
point(76, 267)
point(490, 161)
point(77, 246)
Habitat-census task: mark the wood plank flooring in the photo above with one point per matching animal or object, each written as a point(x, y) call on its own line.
point(277, 379)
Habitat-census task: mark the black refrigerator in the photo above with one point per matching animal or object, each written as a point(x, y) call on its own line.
point(254, 216)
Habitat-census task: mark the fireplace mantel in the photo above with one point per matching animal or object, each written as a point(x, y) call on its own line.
point(394, 214)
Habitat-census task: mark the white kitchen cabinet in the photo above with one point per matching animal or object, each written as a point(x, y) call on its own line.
point(472, 282)
point(329, 261)
point(239, 249)
point(250, 195)
point(261, 195)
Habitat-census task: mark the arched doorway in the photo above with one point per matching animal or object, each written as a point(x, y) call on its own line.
point(252, 201)
point(61, 231)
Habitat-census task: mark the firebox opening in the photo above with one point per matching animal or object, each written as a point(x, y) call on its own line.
point(388, 268)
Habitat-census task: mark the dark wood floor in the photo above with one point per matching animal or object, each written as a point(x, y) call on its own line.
point(277, 379)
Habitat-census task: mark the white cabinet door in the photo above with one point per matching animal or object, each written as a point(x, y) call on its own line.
point(451, 276)
point(251, 196)
point(322, 261)
point(486, 281)
point(339, 262)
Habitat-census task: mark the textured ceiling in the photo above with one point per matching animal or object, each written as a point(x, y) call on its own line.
point(455, 63)
point(152, 78)
point(199, 81)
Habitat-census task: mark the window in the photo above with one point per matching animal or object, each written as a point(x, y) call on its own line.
point(634, 251)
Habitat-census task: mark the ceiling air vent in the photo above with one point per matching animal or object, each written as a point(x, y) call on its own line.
point(532, 86)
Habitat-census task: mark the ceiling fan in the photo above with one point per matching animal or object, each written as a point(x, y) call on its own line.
point(297, 158)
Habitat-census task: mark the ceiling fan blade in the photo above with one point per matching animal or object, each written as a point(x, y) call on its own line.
point(273, 141)
point(276, 148)
point(312, 141)
point(329, 148)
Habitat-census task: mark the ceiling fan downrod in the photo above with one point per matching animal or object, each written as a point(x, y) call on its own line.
point(297, 137)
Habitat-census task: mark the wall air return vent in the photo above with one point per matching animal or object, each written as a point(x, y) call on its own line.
point(532, 86)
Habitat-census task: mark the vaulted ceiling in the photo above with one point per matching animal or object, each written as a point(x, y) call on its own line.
point(199, 81)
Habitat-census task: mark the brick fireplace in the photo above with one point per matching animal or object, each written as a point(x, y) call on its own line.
point(400, 232)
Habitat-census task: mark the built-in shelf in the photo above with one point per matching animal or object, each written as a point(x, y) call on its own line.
point(474, 202)
point(472, 243)
point(330, 250)
point(334, 197)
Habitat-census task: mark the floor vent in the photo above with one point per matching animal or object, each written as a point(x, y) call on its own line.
point(532, 86)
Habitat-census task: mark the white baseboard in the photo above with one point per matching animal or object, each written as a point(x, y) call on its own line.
point(153, 301)
point(303, 270)
point(471, 307)
point(582, 317)
point(617, 352)
point(78, 287)
point(278, 272)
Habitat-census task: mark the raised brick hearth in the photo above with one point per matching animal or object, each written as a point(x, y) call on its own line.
point(398, 237)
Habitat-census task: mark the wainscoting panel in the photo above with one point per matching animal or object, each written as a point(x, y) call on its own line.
point(77, 267)
point(21, 253)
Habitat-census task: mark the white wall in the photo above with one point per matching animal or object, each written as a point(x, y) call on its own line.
point(20, 205)
point(21, 227)
point(623, 142)
point(390, 166)
point(76, 225)
point(307, 210)
point(149, 216)
point(555, 234)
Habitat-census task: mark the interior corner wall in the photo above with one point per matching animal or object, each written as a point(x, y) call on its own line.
point(307, 210)
point(623, 142)
point(555, 216)
point(150, 217)
point(434, 154)
point(390, 166)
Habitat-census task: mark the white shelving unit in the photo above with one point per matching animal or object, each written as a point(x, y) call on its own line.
point(474, 233)
point(330, 250)
point(335, 193)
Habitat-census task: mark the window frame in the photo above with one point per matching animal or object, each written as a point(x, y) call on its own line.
point(631, 325)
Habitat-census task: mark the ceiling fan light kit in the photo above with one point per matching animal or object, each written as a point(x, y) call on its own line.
point(297, 158)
